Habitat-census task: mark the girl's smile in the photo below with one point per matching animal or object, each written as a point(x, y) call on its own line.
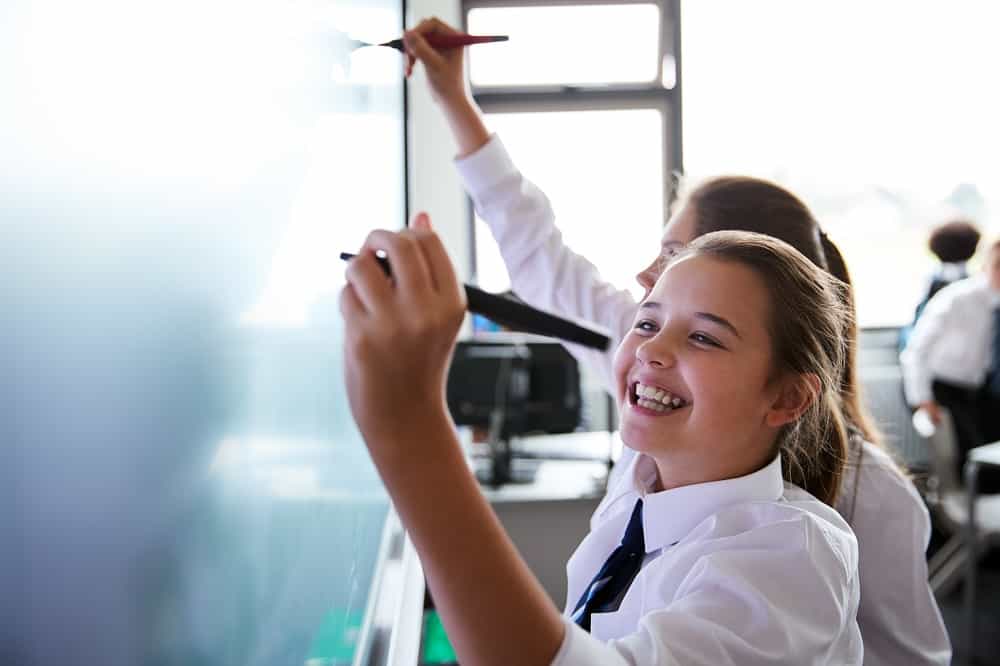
point(647, 397)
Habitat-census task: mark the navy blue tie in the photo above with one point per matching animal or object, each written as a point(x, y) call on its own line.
point(993, 378)
point(606, 591)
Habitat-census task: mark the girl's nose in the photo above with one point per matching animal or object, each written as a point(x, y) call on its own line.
point(657, 351)
point(648, 276)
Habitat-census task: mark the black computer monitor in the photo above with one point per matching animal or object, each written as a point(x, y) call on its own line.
point(513, 387)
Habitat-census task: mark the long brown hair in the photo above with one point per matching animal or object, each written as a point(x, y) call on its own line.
point(850, 387)
point(806, 321)
point(741, 203)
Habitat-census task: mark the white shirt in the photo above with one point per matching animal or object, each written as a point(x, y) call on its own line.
point(742, 571)
point(952, 340)
point(899, 617)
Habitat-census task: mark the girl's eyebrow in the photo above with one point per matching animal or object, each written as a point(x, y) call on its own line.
point(721, 321)
point(716, 319)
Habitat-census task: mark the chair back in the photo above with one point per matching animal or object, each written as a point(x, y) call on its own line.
point(944, 454)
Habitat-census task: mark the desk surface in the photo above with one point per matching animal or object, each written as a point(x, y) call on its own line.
point(572, 466)
point(555, 481)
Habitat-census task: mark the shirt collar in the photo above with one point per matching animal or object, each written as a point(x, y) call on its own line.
point(953, 271)
point(669, 515)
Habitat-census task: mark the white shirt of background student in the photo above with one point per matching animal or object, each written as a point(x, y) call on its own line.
point(953, 339)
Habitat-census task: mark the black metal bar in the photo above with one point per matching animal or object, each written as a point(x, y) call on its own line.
point(972, 490)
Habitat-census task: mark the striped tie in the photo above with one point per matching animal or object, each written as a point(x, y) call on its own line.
point(606, 591)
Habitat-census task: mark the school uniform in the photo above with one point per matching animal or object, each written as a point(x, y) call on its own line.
point(944, 275)
point(951, 358)
point(898, 616)
point(749, 570)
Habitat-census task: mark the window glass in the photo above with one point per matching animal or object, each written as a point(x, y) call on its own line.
point(606, 44)
point(603, 173)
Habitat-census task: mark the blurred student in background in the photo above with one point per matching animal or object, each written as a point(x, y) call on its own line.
point(899, 618)
point(952, 361)
point(953, 243)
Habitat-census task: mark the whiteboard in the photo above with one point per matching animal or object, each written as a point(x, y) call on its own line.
point(182, 481)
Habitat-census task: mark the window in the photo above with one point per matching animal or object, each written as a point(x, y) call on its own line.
point(618, 185)
point(881, 116)
point(547, 53)
point(593, 127)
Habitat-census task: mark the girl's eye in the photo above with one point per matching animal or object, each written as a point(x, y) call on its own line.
point(701, 338)
point(646, 326)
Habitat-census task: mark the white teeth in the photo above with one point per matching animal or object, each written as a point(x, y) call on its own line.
point(657, 396)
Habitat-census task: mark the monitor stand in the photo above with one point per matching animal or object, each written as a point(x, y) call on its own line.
point(504, 468)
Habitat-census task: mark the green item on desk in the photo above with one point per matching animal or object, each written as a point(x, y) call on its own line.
point(336, 639)
point(436, 646)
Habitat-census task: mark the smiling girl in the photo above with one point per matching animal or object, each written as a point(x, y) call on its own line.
point(899, 617)
point(704, 552)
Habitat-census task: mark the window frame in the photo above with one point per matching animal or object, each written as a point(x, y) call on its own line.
point(605, 97)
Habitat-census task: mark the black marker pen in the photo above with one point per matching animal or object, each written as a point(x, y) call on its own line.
point(520, 317)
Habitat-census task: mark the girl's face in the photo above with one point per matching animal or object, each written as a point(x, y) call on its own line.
point(680, 231)
point(696, 387)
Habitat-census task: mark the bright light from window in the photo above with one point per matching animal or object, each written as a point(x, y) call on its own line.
point(603, 173)
point(571, 45)
point(881, 116)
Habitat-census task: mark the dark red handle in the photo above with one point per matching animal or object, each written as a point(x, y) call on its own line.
point(446, 41)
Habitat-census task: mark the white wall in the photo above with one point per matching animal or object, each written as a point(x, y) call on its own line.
point(434, 185)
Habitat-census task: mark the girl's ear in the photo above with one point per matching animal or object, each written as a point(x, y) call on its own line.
point(796, 395)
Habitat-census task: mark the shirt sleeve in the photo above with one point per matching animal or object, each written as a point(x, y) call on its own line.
point(899, 616)
point(915, 360)
point(783, 594)
point(543, 270)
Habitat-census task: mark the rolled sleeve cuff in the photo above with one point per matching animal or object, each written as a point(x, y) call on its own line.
point(919, 397)
point(485, 168)
point(581, 649)
point(917, 388)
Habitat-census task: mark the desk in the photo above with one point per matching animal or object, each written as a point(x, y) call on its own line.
point(547, 518)
point(569, 466)
point(986, 455)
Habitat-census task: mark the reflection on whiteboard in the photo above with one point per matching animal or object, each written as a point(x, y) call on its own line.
point(187, 485)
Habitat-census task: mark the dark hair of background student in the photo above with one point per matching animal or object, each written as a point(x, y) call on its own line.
point(954, 242)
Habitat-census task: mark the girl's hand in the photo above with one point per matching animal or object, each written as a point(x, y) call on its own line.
point(446, 75)
point(445, 68)
point(400, 334)
point(933, 410)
